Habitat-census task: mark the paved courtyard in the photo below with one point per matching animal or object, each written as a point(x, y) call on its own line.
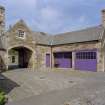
point(55, 88)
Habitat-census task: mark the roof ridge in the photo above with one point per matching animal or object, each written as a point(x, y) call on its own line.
point(79, 30)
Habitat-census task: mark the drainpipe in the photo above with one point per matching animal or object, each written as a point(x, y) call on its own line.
point(51, 57)
point(37, 63)
point(7, 52)
point(7, 59)
point(51, 53)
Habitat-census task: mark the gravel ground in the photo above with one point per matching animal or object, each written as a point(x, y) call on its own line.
point(56, 88)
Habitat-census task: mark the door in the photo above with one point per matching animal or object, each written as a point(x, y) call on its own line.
point(63, 59)
point(86, 60)
point(47, 60)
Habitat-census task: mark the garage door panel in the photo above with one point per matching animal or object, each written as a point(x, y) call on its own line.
point(86, 60)
point(67, 63)
point(86, 65)
point(63, 59)
point(64, 63)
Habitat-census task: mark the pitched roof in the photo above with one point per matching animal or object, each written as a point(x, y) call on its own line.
point(42, 38)
point(88, 34)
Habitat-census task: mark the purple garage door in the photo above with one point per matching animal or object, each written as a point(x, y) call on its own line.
point(47, 60)
point(86, 60)
point(63, 60)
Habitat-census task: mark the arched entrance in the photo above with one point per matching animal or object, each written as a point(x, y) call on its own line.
point(19, 57)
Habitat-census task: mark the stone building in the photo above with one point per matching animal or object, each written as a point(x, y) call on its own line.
point(20, 47)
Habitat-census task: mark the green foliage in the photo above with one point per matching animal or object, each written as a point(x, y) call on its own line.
point(2, 97)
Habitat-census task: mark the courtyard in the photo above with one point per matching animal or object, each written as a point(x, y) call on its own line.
point(57, 87)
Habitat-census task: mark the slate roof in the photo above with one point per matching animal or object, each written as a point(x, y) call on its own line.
point(42, 38)
point(88, 34)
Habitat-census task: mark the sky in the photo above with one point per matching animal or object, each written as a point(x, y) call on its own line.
point(54, 16)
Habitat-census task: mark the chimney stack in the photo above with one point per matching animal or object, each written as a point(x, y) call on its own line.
point(103, 17)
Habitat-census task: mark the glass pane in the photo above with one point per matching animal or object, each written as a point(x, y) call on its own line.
point(58, 55)
point(67, 55)
point(13, 59)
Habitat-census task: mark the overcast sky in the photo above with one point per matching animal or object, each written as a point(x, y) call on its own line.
point(54, 16)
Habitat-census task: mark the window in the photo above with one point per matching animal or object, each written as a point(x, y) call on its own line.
point(13, 59)
point(21, 34)
point(86, 55)
point(66, 55)
point(58, 55)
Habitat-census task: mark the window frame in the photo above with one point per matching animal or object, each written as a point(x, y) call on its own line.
point(86, 55)
point(21, 34)
point(13, 59)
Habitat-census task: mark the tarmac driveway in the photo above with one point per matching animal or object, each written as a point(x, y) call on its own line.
point(56, 88)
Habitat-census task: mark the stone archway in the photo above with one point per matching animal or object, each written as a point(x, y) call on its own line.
point(20, 57)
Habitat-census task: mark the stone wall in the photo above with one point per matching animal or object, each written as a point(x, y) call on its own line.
point(103, 56)
point(2, 60)
point(41, 52)
point(14, 41)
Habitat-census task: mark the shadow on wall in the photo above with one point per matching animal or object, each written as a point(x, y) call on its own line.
point(2, 65)
point(6, 84)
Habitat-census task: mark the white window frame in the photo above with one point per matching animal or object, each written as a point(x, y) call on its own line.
point(22, 35)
